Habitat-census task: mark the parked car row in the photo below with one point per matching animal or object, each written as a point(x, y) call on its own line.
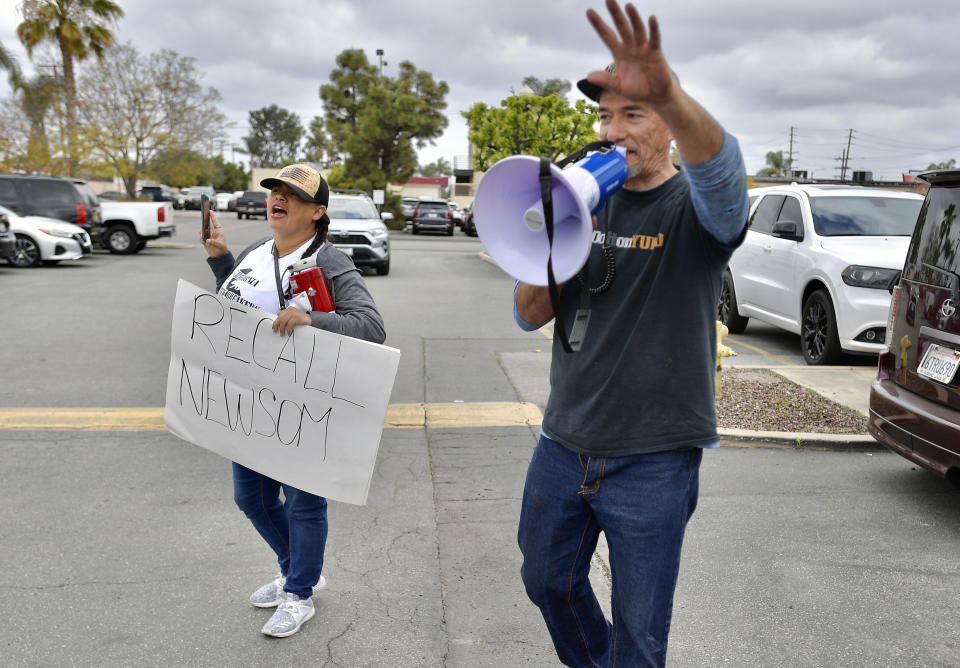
point(428, 214)
point(865, 271)
point(817, 260)
point(53, 218)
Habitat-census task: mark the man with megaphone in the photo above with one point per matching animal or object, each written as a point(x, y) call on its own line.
point(630, 413)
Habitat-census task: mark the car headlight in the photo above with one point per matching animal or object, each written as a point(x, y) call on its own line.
point(57, 233)
point(858, 276)
point(379, 233)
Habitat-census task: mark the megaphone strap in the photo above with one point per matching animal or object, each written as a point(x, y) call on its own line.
point(574, 341)
point(602, 146)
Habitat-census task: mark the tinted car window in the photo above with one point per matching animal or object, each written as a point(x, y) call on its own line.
point(357, 209)
point(254, 194)
point(864, 216)
point(433, 206)
point(934, 259)
point(766, 213)
point(86, 193)
point(50, 192)
point(791, 211)
point(8, 193)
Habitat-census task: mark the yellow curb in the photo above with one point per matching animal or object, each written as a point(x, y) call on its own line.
point(399, 416)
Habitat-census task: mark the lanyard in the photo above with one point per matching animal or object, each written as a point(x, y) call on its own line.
point(276, 273)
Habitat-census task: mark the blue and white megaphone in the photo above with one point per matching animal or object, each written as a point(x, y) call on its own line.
point(509, 212)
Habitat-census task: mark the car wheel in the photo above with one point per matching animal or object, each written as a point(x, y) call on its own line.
point(120, 240)
point(819, 340)
point(727, 307)
point(450, 232)
point(140, 246)
point(26, 252)
point(383, 268)
point(239, 216)
point(415, 229)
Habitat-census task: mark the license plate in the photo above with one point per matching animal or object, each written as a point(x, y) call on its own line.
point(939, 363)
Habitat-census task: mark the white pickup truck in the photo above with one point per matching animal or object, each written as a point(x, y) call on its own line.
point(128, 226)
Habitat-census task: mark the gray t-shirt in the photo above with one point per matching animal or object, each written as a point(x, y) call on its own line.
point(644, 379)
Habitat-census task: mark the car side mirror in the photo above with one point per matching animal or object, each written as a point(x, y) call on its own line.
point(386, 216)
point(787, 229)
point(894, 282)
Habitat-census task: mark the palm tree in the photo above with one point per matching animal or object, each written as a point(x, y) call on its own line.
point(36, 96)
point(79, 28)
point(9, 63)
point(777, 165)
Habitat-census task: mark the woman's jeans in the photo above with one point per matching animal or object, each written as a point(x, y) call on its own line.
point(642, 504)
point(295, 529)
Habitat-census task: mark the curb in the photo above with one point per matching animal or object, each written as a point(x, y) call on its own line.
point(800, 439)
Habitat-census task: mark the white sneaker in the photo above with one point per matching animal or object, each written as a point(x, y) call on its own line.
point(290, 616)
point(270, 594)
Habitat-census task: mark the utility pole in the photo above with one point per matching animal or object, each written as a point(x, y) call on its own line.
point(845, 157)
point(789, 165)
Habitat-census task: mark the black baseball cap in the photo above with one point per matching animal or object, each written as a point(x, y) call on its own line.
point(592, 90)
point(304, 180)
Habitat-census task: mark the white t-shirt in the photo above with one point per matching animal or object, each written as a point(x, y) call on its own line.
point(254, 282)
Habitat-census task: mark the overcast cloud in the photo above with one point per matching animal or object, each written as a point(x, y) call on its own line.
point(885, 69)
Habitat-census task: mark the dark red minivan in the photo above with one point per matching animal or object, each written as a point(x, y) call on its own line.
point(915, 399)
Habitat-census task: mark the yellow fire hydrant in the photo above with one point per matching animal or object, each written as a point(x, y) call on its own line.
point(722, 350)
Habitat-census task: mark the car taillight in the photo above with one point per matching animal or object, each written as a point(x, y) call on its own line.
point(449, 215)
point(892, 317)
point(416, 213)
point(81, 214)
point(161, 216)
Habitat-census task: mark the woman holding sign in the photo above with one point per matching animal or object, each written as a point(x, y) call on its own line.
point(296, 528)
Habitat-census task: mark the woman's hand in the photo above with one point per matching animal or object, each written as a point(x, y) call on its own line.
point(289, 318)
point(216, 245)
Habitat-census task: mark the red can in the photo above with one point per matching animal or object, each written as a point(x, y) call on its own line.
point(306, 276)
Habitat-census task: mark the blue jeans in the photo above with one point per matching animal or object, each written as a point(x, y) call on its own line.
point(295, 529)
point(642, 504)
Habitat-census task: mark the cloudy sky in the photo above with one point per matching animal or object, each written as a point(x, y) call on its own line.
point(887, 70)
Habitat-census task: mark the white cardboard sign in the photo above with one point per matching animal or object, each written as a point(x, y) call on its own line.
point(306, 410)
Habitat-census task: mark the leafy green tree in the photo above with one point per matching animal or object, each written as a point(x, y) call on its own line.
point(946, 164)
point(317, 147)
point(275, 136)
point(180, 168)
point(78, 28)
point(138, 108)
point(531, 125)
point(441, 167)
point(375, 123)
point(229, 176)
point(777, 165)
point(558, 87)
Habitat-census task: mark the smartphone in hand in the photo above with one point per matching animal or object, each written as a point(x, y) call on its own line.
point(205, 214)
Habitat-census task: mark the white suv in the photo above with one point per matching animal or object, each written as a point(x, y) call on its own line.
point(819, 261)
point(357, 230)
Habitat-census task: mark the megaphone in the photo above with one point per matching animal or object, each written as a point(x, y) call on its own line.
point(509, 212)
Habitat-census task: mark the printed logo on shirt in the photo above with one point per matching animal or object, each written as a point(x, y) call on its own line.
point(232, 288)
point(635, 242)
